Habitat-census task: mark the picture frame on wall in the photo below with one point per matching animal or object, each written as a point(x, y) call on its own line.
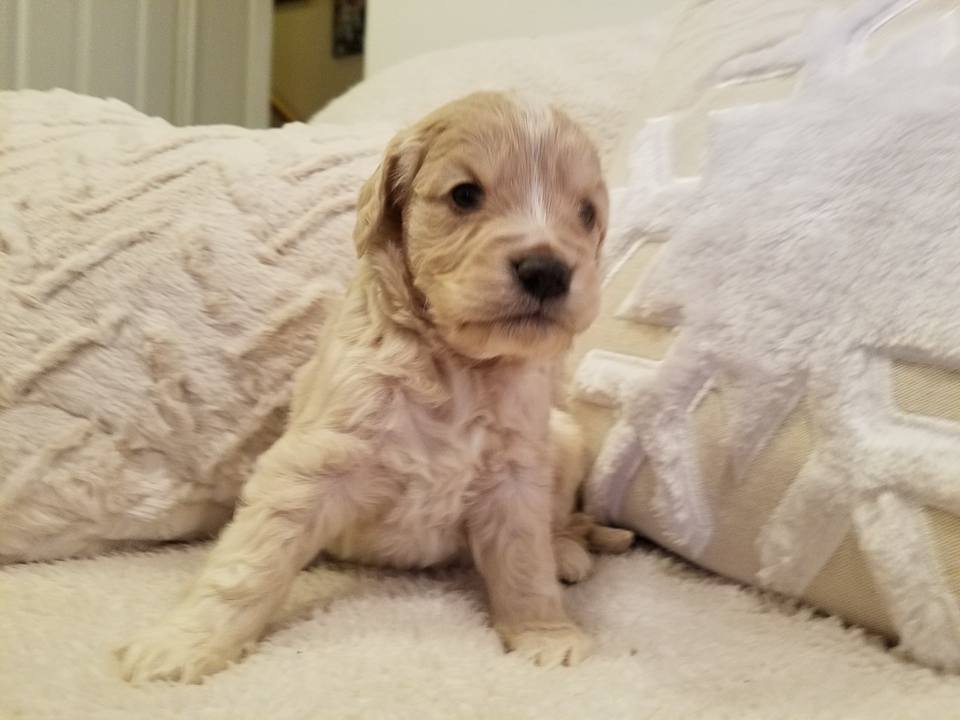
point(349, 18)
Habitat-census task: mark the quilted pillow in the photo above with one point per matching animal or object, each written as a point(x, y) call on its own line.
point(159, 285)
point(773, 389)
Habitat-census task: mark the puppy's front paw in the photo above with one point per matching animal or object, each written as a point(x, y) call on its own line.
point(549, 646)
point(167, 652)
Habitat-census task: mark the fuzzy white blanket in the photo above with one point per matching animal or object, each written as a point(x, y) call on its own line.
point(671, 643)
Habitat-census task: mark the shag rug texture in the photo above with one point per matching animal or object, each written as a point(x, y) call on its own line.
point(670, 643)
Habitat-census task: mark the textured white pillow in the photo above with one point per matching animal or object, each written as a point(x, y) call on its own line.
point(158, 287)
point(784, 339)
point(599, 77)
point(608, 79)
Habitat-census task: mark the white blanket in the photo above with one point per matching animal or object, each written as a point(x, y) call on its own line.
point(671, 643)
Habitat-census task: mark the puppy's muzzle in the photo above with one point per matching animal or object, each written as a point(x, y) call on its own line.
point(542, 277)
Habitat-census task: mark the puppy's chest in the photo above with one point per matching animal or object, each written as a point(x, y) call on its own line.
point(432, 461)
point(442, 454)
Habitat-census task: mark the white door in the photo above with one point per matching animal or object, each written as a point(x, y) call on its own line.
point(190, 61)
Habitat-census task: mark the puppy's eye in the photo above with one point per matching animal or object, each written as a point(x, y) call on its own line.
point(587, 214)
point(467, 196)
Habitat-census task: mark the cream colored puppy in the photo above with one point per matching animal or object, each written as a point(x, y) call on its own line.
point(420, 433)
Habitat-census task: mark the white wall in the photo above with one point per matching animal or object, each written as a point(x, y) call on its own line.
point(400, 29)
point(190, 61)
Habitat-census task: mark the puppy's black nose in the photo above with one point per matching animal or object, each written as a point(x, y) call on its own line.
point(542, 276)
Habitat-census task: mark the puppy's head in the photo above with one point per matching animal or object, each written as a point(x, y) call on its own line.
point(498, 209)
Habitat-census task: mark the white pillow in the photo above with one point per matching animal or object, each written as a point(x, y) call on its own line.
point(159, 286)
point(609, 79)
point(772, 388)
point(597, 76)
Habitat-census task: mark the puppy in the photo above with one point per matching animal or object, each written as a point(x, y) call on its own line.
point(422, 433)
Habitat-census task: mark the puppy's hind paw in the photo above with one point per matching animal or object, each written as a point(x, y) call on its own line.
point(573, 561)
point(610, 540)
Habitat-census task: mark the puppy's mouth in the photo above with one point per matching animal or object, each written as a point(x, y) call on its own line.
point(539, 319)
point(513, 331)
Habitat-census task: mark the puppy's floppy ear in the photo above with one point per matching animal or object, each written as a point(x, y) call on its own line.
point(384, 195)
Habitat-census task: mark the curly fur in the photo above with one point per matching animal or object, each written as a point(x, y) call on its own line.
point(422, 432)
